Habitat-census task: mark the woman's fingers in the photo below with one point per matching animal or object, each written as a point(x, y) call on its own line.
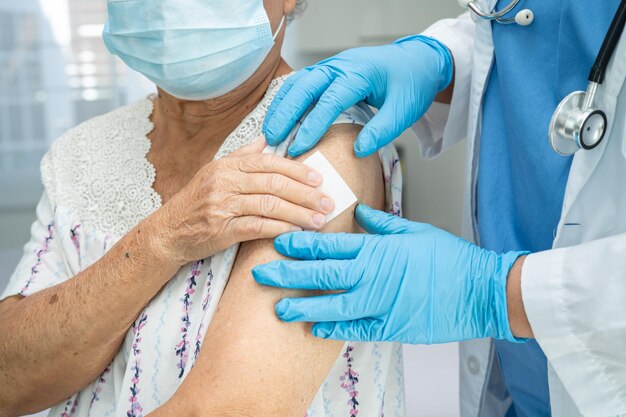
point(288, 189)
point(273, 164)
point(272, 207)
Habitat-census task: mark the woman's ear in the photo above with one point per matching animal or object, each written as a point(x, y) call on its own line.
point(289, 6)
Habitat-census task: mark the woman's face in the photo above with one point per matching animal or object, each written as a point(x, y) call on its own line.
point(276, 9)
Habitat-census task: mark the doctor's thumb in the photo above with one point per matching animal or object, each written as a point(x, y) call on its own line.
point(385, 126)
point(371, 139)
point(380, 223)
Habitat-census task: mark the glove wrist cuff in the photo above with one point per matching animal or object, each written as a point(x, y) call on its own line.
point(501, 315)
point(446, 62)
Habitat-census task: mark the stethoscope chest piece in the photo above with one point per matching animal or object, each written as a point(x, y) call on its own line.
point(577, 123)
point(575, 127)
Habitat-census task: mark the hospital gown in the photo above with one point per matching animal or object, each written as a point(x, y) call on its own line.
point(98, 186)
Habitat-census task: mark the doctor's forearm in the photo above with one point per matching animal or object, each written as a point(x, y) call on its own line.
point(518, 321)
point(445, 96)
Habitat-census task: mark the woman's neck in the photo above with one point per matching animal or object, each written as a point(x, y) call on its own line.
point(200, 127)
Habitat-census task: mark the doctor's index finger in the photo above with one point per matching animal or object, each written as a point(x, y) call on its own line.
point(306, 275)
point(275, 104)
point(322, 308)
point(336, 99)
point(296, 96)
point(386, 125)
point(314, 246)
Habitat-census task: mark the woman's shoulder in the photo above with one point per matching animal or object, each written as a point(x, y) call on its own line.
point(359, 114)
point(99, 168)
point(363, 175)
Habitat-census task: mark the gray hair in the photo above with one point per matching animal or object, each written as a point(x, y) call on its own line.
point(299, 9)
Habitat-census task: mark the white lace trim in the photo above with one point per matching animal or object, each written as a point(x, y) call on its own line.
point(99, 169)
point(252, 126)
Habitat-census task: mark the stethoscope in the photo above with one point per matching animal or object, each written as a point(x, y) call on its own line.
point(576, 123)
point(523, 17)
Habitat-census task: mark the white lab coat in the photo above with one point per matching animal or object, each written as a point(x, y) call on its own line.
point(574, 294)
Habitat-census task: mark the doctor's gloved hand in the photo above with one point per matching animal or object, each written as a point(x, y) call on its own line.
point(400, 79)
point(406, 282)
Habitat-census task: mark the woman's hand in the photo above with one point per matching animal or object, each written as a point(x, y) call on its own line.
point(245, 196)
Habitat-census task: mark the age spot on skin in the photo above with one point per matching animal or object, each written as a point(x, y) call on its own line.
point(54, 298)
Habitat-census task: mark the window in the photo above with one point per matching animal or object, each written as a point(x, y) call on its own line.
point(55, 72)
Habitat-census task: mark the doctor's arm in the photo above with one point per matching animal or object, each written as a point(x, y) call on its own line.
point(251, 363)
point(401, 80)
point(518, 320)
point(446, 121)
point(574, 299)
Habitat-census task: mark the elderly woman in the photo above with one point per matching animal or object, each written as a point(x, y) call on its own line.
point(133, 296)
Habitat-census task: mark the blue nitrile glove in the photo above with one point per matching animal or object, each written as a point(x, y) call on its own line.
point(401, 79)
point(407, 282)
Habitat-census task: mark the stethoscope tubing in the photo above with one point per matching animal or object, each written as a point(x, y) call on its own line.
point(575, 119)
point(609, 45)
point(492, 15)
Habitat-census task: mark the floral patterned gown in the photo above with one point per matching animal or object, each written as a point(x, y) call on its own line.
point(98, 186)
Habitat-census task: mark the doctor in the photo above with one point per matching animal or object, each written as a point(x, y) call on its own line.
point(539, 297)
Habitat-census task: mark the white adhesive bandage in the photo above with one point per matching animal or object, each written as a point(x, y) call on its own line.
point(333, 185)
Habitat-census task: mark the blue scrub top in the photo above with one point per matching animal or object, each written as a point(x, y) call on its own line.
point(521, 180)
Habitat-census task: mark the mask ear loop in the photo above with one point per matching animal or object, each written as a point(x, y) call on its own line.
point(280, 26)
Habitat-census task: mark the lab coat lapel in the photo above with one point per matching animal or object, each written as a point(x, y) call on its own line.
point(585, 162)
point(487, 5)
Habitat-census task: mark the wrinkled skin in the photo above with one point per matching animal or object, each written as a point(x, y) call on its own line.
point(242, 197)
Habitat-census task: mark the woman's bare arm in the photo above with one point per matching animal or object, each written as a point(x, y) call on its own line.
point(252, 364)
point(56, 341)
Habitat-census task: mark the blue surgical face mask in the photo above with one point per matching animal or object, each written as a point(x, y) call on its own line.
point(192, 49)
